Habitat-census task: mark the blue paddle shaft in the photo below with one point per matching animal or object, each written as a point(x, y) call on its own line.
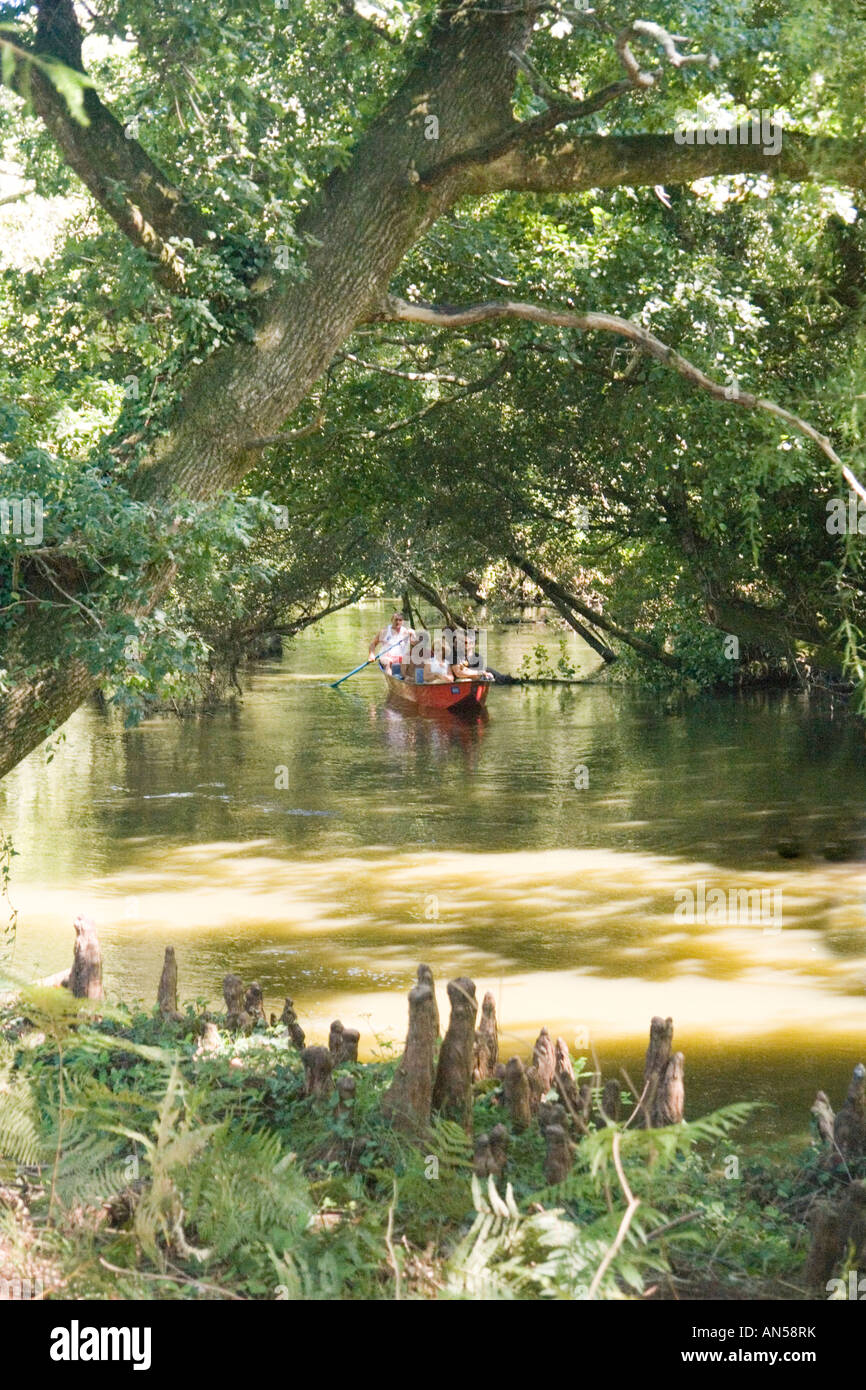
point(365, 664)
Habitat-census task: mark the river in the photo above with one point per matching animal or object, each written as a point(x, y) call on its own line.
point(324, 843)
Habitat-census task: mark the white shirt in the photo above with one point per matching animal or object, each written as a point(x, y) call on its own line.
point(403, 637)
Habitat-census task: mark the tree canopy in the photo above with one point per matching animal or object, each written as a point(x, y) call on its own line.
point(344, 295)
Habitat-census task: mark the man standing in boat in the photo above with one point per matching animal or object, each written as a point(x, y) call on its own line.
point(395, 641)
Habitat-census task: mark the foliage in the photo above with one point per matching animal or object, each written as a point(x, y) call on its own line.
point(151, 1170)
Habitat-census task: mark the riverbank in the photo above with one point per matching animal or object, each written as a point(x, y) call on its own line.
point(187, 1154)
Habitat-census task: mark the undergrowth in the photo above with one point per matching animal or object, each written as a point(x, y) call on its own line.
point(132, 1166)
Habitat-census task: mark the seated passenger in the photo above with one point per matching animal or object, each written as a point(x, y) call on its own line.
point(436, 667)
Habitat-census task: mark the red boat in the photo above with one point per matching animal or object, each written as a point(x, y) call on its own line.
point(459, 697)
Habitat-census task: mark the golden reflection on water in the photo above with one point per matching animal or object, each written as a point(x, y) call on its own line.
point(583, 941)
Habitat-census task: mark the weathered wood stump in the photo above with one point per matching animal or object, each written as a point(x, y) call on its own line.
point(566, 1086)
point(290, 1020)
point(407, 1101)
point(549, 1113)
point(335, 1040)
point(824, 1117)
point(318, 1066)
point(85, 977)
point(343, 1043)
point(837, 1229)
point(425, 977)
point(452, 1089)
point(237, 1018)
point(544, 1061)
point(536, 1091)
point(499, 1149)
point(611, 1103)
point(346, 1086)
point(663, 1095)
point(559, 1155)
point(254, 1003)
point(516, 1091)
point(166, 994)
point(849, 1128)
point(486, 1041)
point(482, 1164)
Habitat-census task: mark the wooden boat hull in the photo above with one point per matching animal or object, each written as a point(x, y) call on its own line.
point(458, 697)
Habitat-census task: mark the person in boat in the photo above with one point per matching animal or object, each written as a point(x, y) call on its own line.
point(467, 668)
point(398, 637)
point(437, 667)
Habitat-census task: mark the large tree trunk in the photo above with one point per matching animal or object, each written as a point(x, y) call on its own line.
point(367, 218)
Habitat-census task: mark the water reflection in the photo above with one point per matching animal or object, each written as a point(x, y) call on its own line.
point(325, 841)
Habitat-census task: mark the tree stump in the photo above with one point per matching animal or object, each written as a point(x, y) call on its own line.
point(611, 1103)
point(237, 1018)
point(290, 1020)
point(566, 1087)
point(825, 1119)
point(536, 1094)
point(559, 1155)
point(483, 1164)
point(486, 1041)
point(516, 1091)
point(166, 995)
point(343, 1043)
point(452, 1089)
point(664, 1091)
point(551, 1114)
point(849, 1128)
point(318, 1066)
point(254, 1003)
point(407, 1101)
point(544, 1061)
point(346, 1086)
point(499, 1149)
point(85, 977)
point(335, 1040)
point(425, 977)
point(837, 1228)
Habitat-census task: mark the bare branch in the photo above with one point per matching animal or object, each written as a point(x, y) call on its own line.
point(654, 33)
point(401, 310)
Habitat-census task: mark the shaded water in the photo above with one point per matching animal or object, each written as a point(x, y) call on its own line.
point(402, 839)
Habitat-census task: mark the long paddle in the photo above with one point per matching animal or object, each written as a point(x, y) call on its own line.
point(365, 664)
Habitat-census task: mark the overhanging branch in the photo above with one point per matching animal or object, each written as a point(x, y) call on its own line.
point(569, 163)
point(401, 310)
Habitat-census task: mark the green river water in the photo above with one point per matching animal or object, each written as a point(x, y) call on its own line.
point(400, 839)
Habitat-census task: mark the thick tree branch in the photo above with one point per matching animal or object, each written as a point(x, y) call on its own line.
point(116, 170)
point(401, 310)
point(566, 163)
point(562, 108)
